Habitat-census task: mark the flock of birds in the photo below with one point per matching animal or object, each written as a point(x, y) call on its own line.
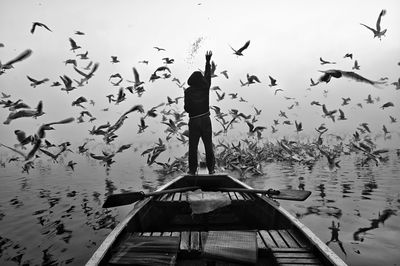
point(245, 156)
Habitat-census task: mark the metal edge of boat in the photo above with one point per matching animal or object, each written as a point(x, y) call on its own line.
point(316, 241)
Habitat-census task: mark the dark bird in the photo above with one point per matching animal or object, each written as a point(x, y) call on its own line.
point(37, 82)
point(70, 61)
point(341, 115)
point(252, 79)
point(239, 51)
point(79, 32)
point(276, 91)
point(313, 83)
point(37, 142)
point(71, 165)
point(67, 84)
point(24, 55)
point(356, 66)
point(48, 126)
point(74, 46)
point(90, 74)
point(346, 101)
point(137, 82)
point(324, 62)
point(348, 55)
point(114, 59)
point(377, 32)
point(299, 126)
point(168, 60)
point(392, 119)
point(79, 101)
point(225, 73)
point(386, 105)
point(369, 99)
point(348, 74)
point(272, 82)
point(36, 24)
point(159, 48)
point(83, 56)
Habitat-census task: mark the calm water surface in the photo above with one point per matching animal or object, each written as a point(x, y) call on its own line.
point(53, 216)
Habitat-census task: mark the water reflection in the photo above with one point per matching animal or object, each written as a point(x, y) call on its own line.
point(359, 235)
point(335, 236)
point(67, 208)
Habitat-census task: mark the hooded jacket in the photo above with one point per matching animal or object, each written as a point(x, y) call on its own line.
point(197, 96)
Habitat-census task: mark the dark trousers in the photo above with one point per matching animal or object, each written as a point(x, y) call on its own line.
point(200, 127)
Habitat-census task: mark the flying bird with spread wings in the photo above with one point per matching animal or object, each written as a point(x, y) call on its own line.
point(377, 32)
point(336, 73)
point(38, 24)
point(239, 51)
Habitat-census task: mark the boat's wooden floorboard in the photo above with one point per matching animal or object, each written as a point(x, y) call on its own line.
point(275, 247)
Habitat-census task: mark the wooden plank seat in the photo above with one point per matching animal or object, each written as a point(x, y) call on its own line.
point(284, 247)
point(287, 248)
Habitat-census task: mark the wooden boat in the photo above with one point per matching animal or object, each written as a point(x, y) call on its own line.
point(208, 227)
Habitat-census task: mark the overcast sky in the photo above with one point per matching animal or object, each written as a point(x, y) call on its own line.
point(287, 38)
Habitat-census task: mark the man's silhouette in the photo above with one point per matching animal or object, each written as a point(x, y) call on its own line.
point(197, 104)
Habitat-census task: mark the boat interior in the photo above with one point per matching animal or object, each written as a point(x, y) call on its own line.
point(233, 228)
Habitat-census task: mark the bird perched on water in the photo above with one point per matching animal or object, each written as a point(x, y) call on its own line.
point(378, 32)
point(336, 73)
point(239, 51)
point(38, 24)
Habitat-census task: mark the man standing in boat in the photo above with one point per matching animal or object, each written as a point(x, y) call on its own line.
point(197, 104)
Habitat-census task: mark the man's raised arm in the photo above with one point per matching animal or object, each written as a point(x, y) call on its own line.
point(207, 71)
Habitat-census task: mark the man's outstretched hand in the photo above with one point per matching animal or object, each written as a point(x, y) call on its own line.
point(208, 55)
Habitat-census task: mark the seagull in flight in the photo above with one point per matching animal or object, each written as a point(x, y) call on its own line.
point(377, 32)
point(336, 73)
point(74, 46)
point(273, 81)
point(36, 24)
point(324, 62)
point(239, 51)
point(159, 48)
point(25, 54)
